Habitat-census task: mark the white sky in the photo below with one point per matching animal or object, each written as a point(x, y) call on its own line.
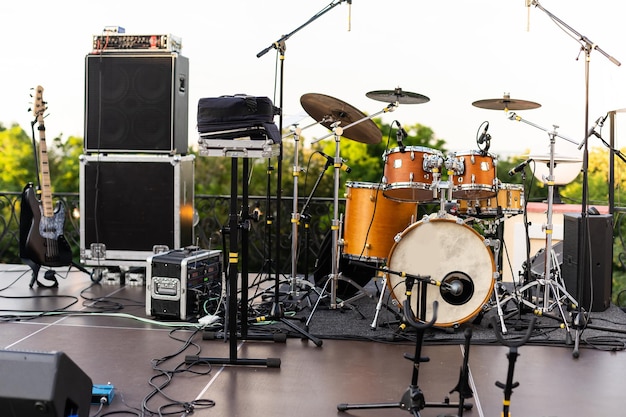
point(453, 51)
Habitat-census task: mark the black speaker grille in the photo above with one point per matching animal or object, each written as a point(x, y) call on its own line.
point(130, 205)
point(597, 262)
point(136, 103)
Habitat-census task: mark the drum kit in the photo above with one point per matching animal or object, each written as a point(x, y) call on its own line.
point(455, 250)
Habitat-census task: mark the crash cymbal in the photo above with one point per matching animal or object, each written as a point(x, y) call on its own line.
point(328, 110)
point(397, 96)
point(506, 103)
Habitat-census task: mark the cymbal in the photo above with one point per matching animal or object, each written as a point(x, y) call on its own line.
point(397, 96)
point(506, 103)
point(328, 110)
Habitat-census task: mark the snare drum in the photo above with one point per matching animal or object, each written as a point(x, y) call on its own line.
point(509, 200)
point(408, 173)
point(372, 222)
point(474, 175)
point(448, 251)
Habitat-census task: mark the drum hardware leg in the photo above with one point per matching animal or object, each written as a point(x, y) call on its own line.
point(379, 305)
point(413, 399)
point(339, 304)
point(495, 243)
point(334, 276)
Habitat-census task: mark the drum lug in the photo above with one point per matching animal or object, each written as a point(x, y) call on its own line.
point(412, 155)
point(472, 159)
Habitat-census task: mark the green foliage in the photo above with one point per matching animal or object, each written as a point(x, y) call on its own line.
point(213, 174)
point(16, 159)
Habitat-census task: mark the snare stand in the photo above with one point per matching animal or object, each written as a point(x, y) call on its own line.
point(413, 399)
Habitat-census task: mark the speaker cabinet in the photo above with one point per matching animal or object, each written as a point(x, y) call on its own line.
point(132, 203)
point(37, 384)
point(597, 263)
point(136, 103)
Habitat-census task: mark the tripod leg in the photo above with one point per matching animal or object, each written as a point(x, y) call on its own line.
point(380, 304)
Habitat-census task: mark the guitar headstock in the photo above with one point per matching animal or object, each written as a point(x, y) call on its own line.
point(39, 106)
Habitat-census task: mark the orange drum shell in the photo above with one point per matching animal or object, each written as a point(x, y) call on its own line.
point(510, 198)
point(404, 175)
point(479, 179)
point(365, 205)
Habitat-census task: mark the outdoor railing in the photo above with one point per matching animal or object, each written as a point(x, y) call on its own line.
point(211, 229)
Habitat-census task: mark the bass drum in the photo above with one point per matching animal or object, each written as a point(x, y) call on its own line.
point(449, 252)
point(356, 272)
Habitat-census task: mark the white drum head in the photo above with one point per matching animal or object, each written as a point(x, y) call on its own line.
point(449, 252)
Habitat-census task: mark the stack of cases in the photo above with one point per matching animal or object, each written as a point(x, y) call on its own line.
point(136, 181)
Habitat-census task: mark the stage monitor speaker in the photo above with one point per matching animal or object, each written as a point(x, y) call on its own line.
point(597, 263)
point(37, 384)
point(136, 102)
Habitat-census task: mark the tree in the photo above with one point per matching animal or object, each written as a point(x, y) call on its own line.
point(16, 156)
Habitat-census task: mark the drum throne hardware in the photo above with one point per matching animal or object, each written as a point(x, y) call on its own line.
point(413, 399)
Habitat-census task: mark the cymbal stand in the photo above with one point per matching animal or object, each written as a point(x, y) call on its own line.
point(334, 274)
point(550, 284)
point(294, 282)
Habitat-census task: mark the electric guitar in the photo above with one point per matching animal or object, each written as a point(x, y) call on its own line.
point(41, 224)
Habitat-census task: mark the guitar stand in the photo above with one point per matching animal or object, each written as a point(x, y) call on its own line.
point(512, 356)
point(413, 399)
point(50, 274)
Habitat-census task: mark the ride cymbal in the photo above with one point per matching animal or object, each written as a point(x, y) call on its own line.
point(327, 110)
point(506, 103)
point(397, 96)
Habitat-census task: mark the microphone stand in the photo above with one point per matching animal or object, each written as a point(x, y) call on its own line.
point(587, 46)
point(277, 310)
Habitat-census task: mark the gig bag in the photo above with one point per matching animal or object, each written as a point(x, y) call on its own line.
point(238, 116)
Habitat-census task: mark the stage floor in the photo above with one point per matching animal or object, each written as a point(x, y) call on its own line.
point(124, 348)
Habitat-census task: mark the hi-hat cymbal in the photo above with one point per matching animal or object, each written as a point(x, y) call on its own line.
point(328, 110)
point(506, 103)
point(397, 96)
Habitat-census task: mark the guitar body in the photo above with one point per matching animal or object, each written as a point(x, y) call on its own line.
point(41, 238)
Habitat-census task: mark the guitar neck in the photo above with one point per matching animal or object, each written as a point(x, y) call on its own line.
point(44, 166)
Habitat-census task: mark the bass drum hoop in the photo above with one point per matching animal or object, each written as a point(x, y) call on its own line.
point(443, 249)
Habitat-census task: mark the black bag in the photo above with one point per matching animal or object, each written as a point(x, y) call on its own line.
point(232, 117)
